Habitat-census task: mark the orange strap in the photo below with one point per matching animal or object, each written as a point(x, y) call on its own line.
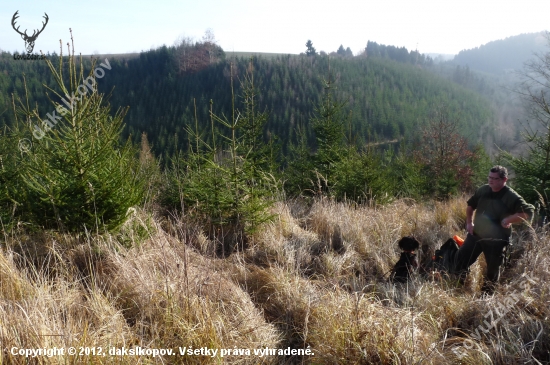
point(459, 241)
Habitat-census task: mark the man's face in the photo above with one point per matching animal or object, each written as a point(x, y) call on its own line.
point(496, 182)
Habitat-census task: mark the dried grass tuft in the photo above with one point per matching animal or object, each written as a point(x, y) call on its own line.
point(316, 277)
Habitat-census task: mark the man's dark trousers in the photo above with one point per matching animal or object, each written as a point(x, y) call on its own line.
point(493, 249)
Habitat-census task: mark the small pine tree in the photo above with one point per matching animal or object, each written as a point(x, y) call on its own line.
point(226, 187)
point(260, 157)
point(77, 175)
point(10, 184)
point(328, 125)
point(316, 170)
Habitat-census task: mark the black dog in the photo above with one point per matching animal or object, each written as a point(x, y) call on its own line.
point(444, 259)
point(408, 263)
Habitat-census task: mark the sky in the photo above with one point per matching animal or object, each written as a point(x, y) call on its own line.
point(277, 26)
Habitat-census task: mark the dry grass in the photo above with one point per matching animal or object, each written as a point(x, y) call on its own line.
point(315, 278)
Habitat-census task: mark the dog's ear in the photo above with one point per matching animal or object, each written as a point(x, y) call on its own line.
point(408, 243)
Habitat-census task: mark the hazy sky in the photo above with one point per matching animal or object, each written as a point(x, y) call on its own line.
point(282, 26)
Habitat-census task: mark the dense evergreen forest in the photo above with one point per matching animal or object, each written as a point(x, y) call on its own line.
point(385, 99)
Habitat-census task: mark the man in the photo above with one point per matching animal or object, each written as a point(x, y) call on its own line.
point(496, 207)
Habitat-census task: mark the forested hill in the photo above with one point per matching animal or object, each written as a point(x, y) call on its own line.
point(503, 55)
point(385, 99)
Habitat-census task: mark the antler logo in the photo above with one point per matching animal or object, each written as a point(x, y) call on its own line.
point(29, 40)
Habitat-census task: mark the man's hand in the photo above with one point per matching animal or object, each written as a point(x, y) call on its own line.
point(515, 218)
point(469, 222)
point(504, 223)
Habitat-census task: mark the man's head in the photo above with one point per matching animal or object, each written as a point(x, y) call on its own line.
point(498, 175)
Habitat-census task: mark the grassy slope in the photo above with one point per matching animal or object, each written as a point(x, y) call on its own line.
point(290, 288)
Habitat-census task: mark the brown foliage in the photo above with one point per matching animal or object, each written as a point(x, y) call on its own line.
point(444, 151)
point(193, 57)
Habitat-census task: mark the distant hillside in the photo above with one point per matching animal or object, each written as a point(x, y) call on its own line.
point(503, 55)
point(385, 99)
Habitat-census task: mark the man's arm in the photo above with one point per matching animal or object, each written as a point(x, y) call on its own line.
point(515, 218)
point(524, 212)
point(469, 223)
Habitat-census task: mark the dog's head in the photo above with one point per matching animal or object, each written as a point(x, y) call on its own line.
point(408, 243)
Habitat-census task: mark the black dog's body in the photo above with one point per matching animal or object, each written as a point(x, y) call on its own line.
point(444, 259)
point(442, 262)
point(408, 263)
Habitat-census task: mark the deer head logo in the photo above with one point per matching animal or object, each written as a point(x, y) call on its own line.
point(29, 40)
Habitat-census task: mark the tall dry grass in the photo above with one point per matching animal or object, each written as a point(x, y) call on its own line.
point(315, 278)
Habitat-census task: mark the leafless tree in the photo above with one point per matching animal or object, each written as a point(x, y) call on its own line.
point(533, 168)
point(444, 151)
point(535, 91)
point(194, 56)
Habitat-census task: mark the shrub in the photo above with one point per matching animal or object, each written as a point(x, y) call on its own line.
point(77, 175)
point(226, 186)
